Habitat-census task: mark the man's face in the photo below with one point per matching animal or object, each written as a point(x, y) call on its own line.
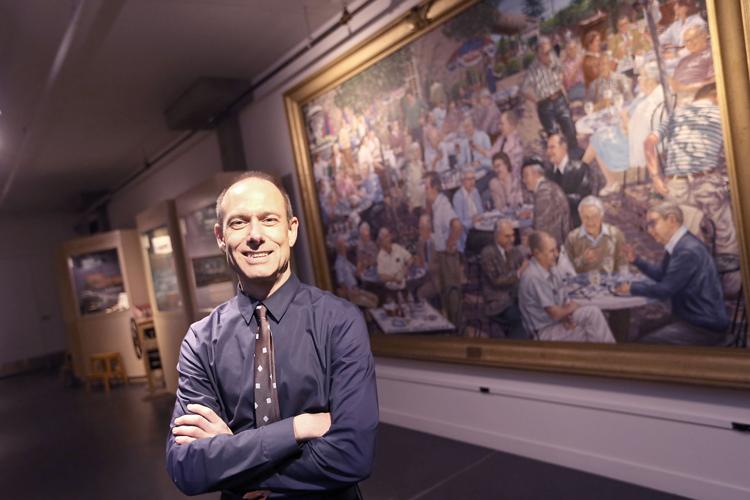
point(680, 11)
point(622, 25)
point(529, 178)
point(255, 234)
point(500, 168)
point(469, 181)
point(547, 255)
point(505, 236)
point(695, 40)
point(543, 53)
point(659, 228)
point(430, 192)
point(385, 240)
point(506, 128)
point(591, 219)
point(556, 151)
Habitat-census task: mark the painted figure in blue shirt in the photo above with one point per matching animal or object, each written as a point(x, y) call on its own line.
point(687, 276)
point(323, 442)
point(466, 201)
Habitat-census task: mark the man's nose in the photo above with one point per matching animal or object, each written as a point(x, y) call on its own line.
point(255, 231)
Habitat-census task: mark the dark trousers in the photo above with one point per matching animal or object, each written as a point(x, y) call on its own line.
point(350, 493)
point(510, 320)
point(554, 114)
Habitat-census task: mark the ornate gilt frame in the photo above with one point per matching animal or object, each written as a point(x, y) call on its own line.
point(694, 365)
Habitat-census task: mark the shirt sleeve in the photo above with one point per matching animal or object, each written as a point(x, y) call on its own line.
point(344, 455)
point(208, 464)
point(674, 280)
point(542, 292)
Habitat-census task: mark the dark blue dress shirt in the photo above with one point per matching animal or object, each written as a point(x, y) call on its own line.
point(689, 278)
point(323, 364)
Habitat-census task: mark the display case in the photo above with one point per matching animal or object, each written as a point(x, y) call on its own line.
point(210, 280)
point(101, 279)
point(170, 299)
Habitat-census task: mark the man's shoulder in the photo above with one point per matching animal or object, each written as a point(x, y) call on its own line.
point(689, 243)
point(489, 251)
point(317, 298)
point(203, 329)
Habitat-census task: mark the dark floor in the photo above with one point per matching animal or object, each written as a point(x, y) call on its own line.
point(63, 443)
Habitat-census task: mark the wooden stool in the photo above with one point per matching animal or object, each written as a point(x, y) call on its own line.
point(106, 366)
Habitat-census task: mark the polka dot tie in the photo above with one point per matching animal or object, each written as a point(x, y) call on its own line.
point(266, 396)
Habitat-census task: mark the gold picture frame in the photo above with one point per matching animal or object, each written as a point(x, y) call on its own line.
point(729, 25)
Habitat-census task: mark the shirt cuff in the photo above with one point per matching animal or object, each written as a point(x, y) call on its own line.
point(278, 440)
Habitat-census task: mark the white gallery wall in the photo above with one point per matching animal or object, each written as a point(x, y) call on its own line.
point(196, 160)
point(667, 436)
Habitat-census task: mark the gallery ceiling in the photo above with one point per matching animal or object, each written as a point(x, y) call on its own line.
point(84, 83)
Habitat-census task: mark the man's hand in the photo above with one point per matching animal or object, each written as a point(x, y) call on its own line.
point(309, 426)
point(623, 288)
point(523, 267)
point(203, 422)
point(660, 187)
point(591, 255)
point(569, 323)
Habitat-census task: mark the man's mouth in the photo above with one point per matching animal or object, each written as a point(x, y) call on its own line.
point(256, 255)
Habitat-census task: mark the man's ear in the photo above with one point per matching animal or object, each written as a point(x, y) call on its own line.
point(219, 234)
point(293, 227)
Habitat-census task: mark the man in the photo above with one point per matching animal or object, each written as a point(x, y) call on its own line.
point(673, 38)
point(576, 178)
point(473, 146)
point(551, 208)
point(346, 278)
point(487, 113)
point(626, 43)
point(694, 173)
point(696, 69)
point(466, 201)
point(548, 313)
point(424, 257)
point(595, 246)
point(502, 266)
point(449, 238)
point(366, 250)
point(687, 277)
point(543, 85)
point(299, 416)
point(393, 259)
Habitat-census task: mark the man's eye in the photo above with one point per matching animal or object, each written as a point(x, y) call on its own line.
point(236, 223)
point(271, 220)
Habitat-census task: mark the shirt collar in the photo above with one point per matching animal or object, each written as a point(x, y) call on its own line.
point(545, 273)
point(502, 251)
point(669, 247)
point(276, 304)
point(603, 232)
point(563, 164)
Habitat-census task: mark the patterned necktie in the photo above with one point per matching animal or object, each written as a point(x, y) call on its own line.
point(266, 396)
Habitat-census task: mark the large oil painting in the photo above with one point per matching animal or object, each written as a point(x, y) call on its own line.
point(552, 177)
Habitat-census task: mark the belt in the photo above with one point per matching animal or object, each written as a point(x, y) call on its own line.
point(553, 97)
point(350, 493)
point(690, 176)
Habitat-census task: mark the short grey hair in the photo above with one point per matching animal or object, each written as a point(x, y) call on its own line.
point(591, 201)
point(668, 208)
point(501, 223)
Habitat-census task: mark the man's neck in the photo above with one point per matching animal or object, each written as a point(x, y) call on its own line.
point(262, 289)
point(563, 163)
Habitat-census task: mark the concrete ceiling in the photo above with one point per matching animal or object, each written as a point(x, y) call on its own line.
point(83, 83)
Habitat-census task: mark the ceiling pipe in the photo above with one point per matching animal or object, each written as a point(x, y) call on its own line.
point(233, 106)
